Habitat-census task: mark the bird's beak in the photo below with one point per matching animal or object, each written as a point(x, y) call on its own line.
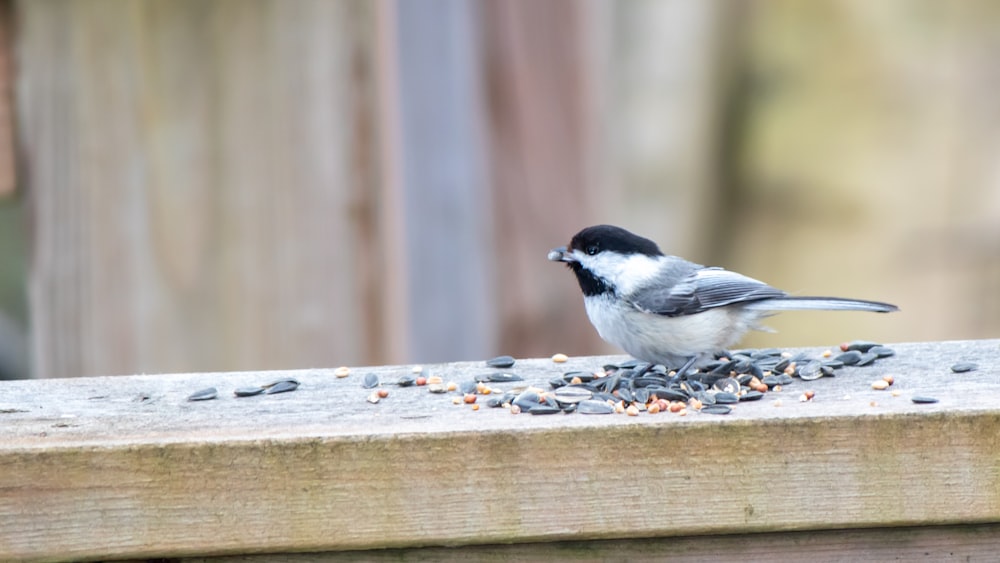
point(561, 255)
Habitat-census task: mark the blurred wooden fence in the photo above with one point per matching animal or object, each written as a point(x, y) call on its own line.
point(227, 184)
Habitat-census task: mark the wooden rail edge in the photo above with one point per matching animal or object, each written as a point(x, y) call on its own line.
point(118, 467)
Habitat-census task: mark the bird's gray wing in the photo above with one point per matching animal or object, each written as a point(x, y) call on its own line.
point(702, 289)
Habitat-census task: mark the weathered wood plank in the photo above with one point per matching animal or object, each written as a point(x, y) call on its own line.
point(322, 469)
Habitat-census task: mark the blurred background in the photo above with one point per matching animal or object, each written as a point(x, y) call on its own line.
point(201, 185)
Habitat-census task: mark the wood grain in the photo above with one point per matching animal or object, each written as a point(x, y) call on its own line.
point(204, 179)
point(322, 469)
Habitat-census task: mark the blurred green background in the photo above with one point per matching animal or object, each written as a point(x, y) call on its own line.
point(222, 185)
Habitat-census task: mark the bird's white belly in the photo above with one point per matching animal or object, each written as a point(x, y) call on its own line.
point(667, 340)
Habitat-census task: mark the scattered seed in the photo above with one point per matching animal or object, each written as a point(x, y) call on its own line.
point(963, 367)
point(500, 362)
point(777, 402)
point(373, 398)
point(809, 394)
point(406, 381)
point(923, 400)
point(716, 409)
point(632, 410)
point(544, 409)
point(827, 353)
point(560, 358)
point(653, 408)
point(452, 386)
point(437, 388)
point(383, 393)
point(723, 398)
point(248, 391)
point(862, 345)
point(682, 412)
point(888, 379)
point(469, 398)
point(880, 385)
point(475, 407)
point(206, 394)
point(283, 386)
point(499, 377)
point(342, 371)
point(619, 407)
point(573, 394)
point(591, 406)
point(811, 370)
point(866, 359)
point(849, 358)
point(753, 395)
point(421, 380)
point(417, 369)
point(676, 406)
point(514, 409)
point(370, 381)
point(435, 379)
point(896, 392)
point(882, 351)
point(456, 400)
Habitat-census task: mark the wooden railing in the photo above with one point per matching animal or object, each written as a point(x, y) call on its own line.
point(124, 467)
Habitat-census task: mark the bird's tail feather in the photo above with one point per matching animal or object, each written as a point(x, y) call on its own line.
point(794, 303)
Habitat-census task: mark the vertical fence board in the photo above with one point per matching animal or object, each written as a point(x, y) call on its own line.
point(201, 175)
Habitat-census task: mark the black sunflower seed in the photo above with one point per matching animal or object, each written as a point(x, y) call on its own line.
point(594, 407)
point(500, 362)
point(923, 400)
point(283, 386)
point(204, 394)
point(716, 409)
point(544, 409)
point(862, 345)
point(724, 398)
point(248, 391)
point(963, 367)
point(882, 351)
point(849, 358)
point(370, 381)
point(406, 380)
point(751, 396)
point(866, 359)
point(811, 371)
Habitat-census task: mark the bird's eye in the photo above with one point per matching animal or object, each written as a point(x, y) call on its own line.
point(592, 249)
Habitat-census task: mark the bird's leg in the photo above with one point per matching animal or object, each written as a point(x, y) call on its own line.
point(687, 366)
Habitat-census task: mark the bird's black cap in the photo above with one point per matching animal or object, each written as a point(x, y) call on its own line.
point(616, 239)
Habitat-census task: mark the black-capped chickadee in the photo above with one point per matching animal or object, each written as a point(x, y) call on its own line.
point(665, 310)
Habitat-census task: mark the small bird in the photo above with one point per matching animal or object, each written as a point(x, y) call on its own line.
point(665, 310)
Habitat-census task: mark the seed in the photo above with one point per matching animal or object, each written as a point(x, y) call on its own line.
point(682, 412)
point(469, 398)
point(880, 385)
point(866, 359)
point(543, 409)
point(724, 398)
point(811, 371)
point(695, 404)
point(873, 404)
point(653, 408)
point(370, 381)
point(475, 407)
point(435, 379)
point(849, 358)
point(283, 386)
point(809, 394)
point(572, 394)
point(888, 379)
point(591, 406)
point(576, 380)
point(716, 409)
point(844, 346)
point(452, 386)
point(862, 345)
point(963, 367)
point(421, 380)
point(514, 409)
point(248, 391)
point(342, 371)
point(437, 388)
point(406, 381)
point(632, 410)
point(500, 362)
point(776, 389)
point(560, 358)
point(896, 392)
point(827, 353)
point(790, 369)
point(383, 393)
point(676, 406)
point(777, 403)
point(456, 400)
point(752, 395)
point(417, 369)
point(619, 407)
point(373, 397)
point(206, 394)
point(499, 377)
point(923, 400)
point(882, 351)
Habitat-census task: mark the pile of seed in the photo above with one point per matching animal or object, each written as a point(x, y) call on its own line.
point(732, 377)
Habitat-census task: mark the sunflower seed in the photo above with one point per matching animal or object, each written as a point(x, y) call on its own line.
point(406, 380)
point(751, 396)
point(716, 409)
point(248, 391)
point(725, 398)
point(866, 359)
point(573, 394)
point(500, 362)
point(728, 385)
point(882, 351)
point(370, 381)
point(849, 358)
point(923, 400)
point(811, 370)
point(963, 367)
point(283, 386)
point(862, 345)
point(594, 407)
point(544, 409)
point(204, 395)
